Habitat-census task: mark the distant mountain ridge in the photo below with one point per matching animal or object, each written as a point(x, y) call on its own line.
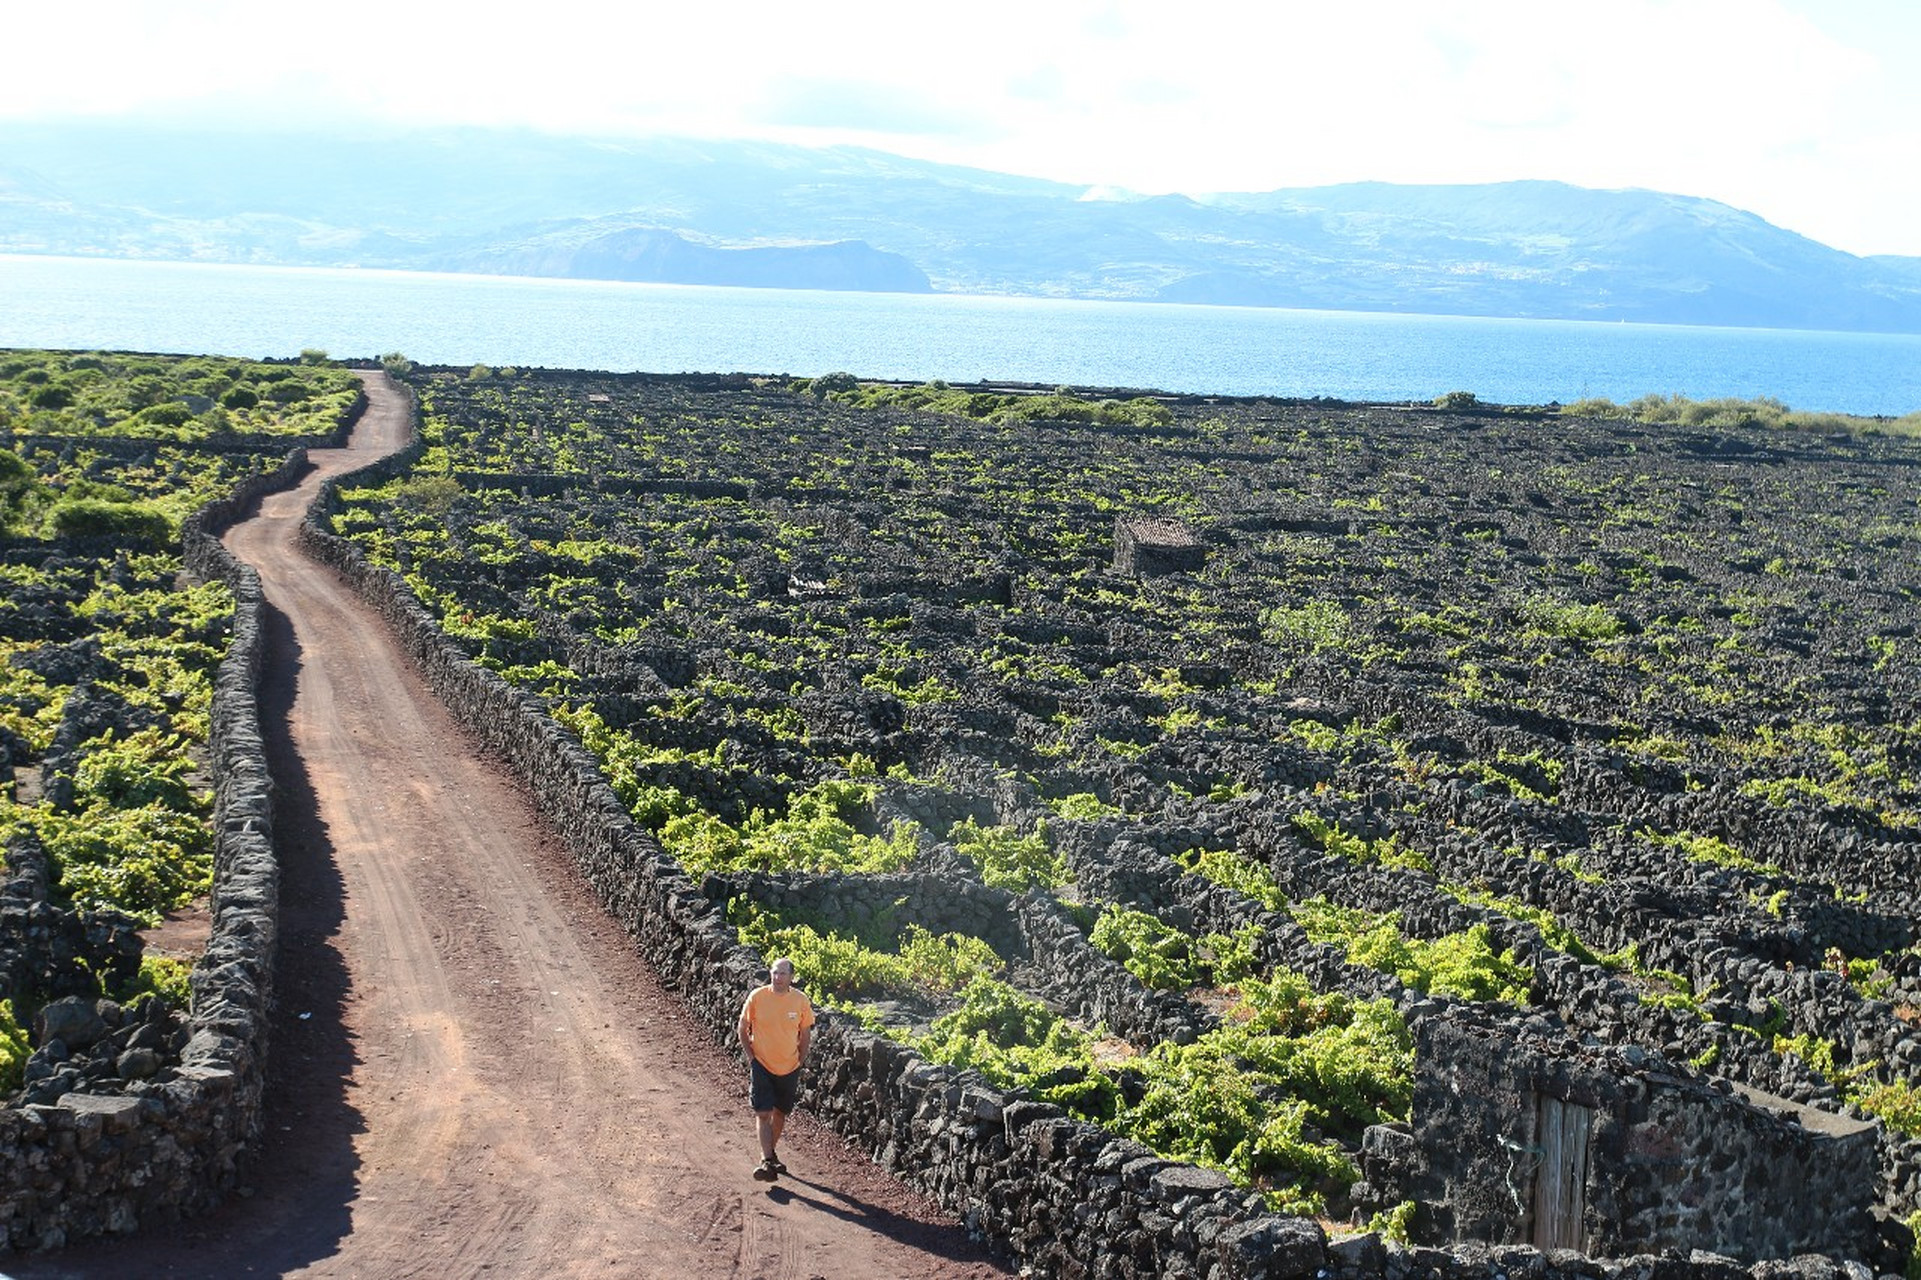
point(763, 214)
point(663, 257)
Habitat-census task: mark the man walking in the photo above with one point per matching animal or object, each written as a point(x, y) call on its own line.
point(776, 1026)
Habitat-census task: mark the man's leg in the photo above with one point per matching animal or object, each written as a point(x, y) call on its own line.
point(778, 1124)
point(765, 1101)
point(786, 1091)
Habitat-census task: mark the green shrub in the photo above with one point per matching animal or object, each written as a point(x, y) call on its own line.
point(1595, 407)
point(14, 1049)
point(1727, 413)
point(1553, 932)
point(946, 961)
point(1017, 1042)
point(1228, 868)
point(1001, 407)
point(432, 495)
point(654, 807)
point(1232, 958)
point(145, 861)
point(1161, 956)
point(701, 842)
point(813, 836)
point(1396, 1224)
point(1203, 1104)
point(20, 491)
point(1242, 1098)
point(1708, 849)
point(851, 968)
point(132, 523)
point(168, 414)
point(1461, 964)
point(1591, 622)
point(1896, 1106)
point(826, 964)
point(147, 767)
point(1084, 806)
point(995, 1010)
point(162, 976)
point(1007, 859)
point(1387, 851)
point(1315, 626)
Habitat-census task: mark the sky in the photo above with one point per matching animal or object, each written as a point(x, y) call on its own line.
point(1805, 112)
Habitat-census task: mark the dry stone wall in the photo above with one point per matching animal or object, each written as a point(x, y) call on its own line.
point(1521, 1130)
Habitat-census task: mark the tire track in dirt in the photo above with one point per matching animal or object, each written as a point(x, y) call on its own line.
point(473, 1072)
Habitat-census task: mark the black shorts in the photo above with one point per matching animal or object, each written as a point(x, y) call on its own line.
point(772, 1092)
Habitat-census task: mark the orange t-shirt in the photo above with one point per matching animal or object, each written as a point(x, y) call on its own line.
point(775, 1022)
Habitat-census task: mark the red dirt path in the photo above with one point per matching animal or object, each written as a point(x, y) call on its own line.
point(472, 1071)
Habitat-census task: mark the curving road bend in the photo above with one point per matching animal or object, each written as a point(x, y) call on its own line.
point(473, 1073)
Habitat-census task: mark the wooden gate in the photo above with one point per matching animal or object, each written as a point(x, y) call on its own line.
point(1560, 1184)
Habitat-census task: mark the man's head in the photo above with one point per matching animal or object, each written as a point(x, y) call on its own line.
point(781, 973)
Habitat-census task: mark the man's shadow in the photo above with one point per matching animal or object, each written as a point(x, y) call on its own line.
point(946, 1241)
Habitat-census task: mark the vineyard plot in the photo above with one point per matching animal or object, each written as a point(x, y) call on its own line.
point(108, 648)
point(1588, 725)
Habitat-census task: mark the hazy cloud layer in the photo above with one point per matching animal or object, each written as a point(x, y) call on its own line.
point(1804, 111)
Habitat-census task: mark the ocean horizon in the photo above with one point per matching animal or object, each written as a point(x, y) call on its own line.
point(448, 319)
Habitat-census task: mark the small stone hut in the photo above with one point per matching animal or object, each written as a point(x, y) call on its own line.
point(1525, 1138)
point(1144, 548)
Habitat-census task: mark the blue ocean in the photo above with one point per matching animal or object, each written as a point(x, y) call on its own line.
point(66, 303)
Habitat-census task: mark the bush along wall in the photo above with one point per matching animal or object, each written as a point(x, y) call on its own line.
point(1064, 1196)
point(158, 1122)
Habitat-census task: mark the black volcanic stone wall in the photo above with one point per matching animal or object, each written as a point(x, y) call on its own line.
point(866, 905)
point(41, 944)
point(1669, 1162)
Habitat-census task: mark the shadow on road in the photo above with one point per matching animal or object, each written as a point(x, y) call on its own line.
point(868, 1217)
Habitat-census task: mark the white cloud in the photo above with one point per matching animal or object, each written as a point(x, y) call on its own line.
point(1801, 110)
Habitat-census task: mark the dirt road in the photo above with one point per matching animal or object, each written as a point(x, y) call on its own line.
point(473, 1073)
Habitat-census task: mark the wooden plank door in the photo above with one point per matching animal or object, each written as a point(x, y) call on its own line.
point(1560, 1184)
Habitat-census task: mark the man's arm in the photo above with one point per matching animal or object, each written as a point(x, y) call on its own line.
point(806, 1038)
point(745, 1029)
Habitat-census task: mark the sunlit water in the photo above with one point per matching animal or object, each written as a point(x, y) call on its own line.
point(461, 320)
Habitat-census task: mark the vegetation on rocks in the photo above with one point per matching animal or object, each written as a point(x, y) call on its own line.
point(14, 1049)
point(1730, 412)
point(1606, 720)
point(107, 654)
point(123, 446)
